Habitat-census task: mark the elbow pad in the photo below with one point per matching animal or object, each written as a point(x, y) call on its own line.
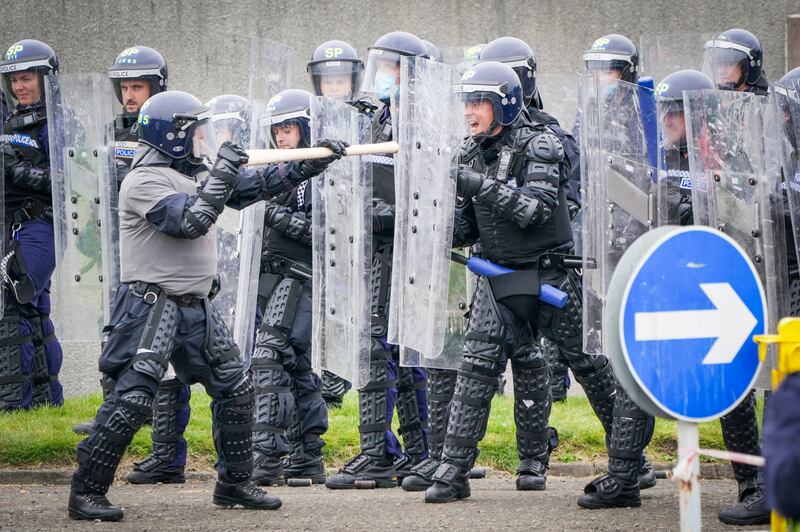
point(208, 205)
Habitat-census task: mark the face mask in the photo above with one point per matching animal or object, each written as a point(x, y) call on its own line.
point(609, 90)
point(385, 85)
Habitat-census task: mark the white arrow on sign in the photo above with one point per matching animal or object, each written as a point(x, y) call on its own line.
point(730, 322)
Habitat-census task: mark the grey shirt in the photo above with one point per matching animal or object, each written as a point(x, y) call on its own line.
point(178, 265)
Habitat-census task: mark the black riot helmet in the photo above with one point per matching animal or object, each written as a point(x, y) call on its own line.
point(518, 55)
point(289, 107)
point(335, 58)
point(139, 62)
point(736, 47)
point(613, 52)
point(383, 61)
point(27, 55)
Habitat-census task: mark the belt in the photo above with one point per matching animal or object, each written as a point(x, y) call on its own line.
point(150, 292)
point(29, 210)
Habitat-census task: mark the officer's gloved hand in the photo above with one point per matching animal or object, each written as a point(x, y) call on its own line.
point(313, 167)
point(468, 181)
point(230, 158)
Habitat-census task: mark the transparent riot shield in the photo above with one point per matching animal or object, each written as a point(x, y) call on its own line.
point(79, 113)
point(673, 175)
point(787, 113)
point(619, 199)
point(738, 188)
point(342, 258)
point(661, 54)
point(429, 123)
point(462, 281)
point(270, 72)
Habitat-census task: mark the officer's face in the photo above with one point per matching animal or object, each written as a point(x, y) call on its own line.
point(730, 73)
point(337, 87)
point(675, 128)
point(26, 87)
point(390, 67)
point(287, 136)
point(134, 93)
point(479, 116)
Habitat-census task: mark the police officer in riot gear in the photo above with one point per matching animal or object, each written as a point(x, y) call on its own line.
point(518, 55)
point(30, 355)
point(736, 62)
point(230, 119)
point(335, 70)
point(511, 188)
point(382, 461)
point(162, 314)
point(632, 428)
point(290, 416)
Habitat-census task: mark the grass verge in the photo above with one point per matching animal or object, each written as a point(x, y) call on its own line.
point(43, 438)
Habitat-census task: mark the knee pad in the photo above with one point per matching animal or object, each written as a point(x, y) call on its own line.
point(16, 360)
point(233, 427)
point(532, 402)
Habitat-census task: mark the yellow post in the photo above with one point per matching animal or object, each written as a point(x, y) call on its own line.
point(788, 340)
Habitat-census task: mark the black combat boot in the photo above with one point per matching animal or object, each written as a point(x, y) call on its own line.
point(93, 506)
point(450, 483)
point(246, 495)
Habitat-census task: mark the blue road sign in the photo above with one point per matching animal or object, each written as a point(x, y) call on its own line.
point(687, 317)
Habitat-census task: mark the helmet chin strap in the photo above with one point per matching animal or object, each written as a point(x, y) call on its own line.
point(486, 135)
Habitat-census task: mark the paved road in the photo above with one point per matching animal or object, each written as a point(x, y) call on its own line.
point(494, 505)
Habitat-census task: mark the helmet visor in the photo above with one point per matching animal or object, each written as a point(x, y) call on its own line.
point(204, 142)
point(382, 76)
point(335, 79)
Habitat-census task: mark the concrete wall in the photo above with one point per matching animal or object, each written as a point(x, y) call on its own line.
point(207, 42)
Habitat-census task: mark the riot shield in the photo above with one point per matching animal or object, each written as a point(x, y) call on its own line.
point(80, 120)
point(429, 123)
point(619, 199)
point(787, 112)
point(673, 175)
point(661, 54)
point(738, 188)
point(270, 72)
point(342, 258)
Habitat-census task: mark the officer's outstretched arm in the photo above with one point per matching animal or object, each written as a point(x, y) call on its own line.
point(277, 179)
point(533, 203)
point(292, 225)
point(183, 216)
point(24, 174)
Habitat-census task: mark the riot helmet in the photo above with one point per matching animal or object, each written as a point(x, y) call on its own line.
point(669, 98)
point(285, 109)
point(433, 51)
point(497, 84)
point(613, 54)
point(735, 59)
point(335, 70)
point(382, 76)
point(32, 56)
point(142, 63)
point(519, 56)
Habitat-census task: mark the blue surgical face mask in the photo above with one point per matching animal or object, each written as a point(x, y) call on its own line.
point(610, 90)
point(385, 85)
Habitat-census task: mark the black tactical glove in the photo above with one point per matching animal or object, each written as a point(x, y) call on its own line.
point(230, 158)
point(468, 181)
point(313, 167)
